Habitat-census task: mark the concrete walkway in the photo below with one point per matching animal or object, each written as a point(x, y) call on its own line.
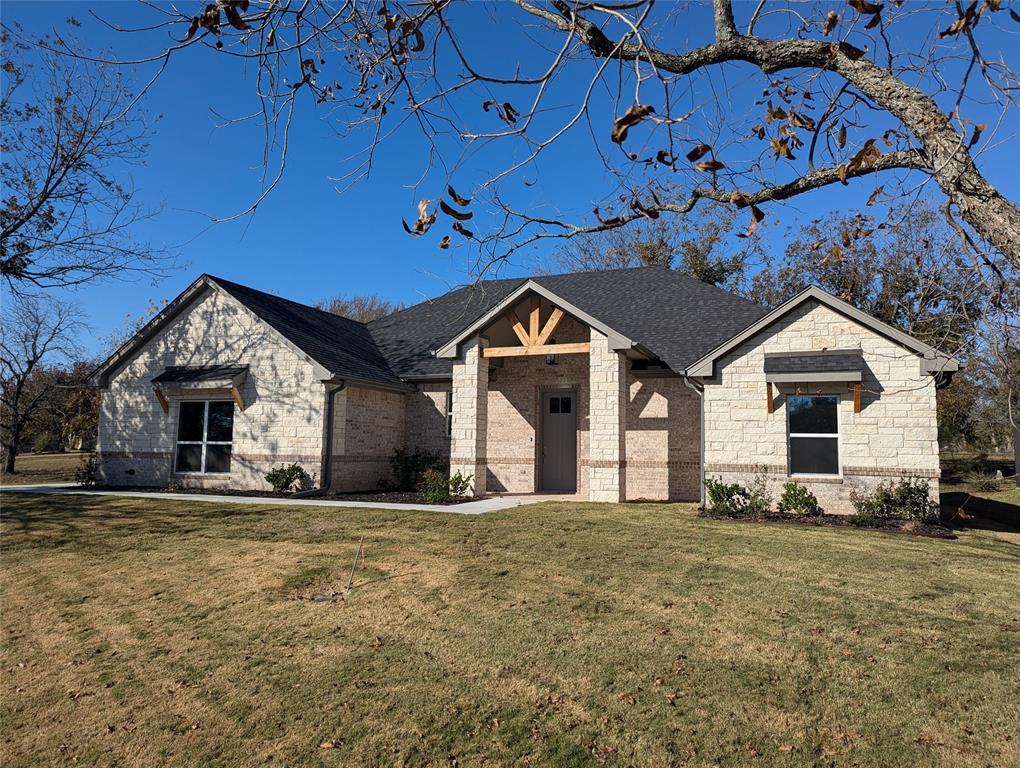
point(491, 504)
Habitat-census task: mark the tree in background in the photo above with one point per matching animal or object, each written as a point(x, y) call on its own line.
point(701, 245)
point(912, 272)
point(360, 308)
point(909, 271)
point(37, 336)
point(67, 129)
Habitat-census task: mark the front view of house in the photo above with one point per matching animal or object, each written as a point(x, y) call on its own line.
point(609, 386)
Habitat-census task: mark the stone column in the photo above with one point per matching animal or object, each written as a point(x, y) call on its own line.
point(607, 409)
point(470, 414)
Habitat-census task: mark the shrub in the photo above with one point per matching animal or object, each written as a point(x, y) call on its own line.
point(85, 473)
point(906, 500)
point(460, 485)
point(726, 498)
point(759, 497)
point(409, 467)
point(982, 481)
point(282, 478)
point(798, 500)
point(434, 486)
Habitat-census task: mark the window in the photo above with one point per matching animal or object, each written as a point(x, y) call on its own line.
point(559, 404)
point(813, 424)
point(205, 431)
point(449, 413)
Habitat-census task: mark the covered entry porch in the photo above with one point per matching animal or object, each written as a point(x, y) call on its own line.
point(539, 402)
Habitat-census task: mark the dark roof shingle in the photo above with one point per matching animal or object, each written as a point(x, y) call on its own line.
point(675, 317)
point(343, 347)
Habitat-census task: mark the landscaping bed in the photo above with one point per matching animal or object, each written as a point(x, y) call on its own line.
point(382, 497)
point(886, 525)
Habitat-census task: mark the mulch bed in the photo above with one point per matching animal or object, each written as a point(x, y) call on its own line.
point(910, 527)
point(382, 497)
point(393, 497)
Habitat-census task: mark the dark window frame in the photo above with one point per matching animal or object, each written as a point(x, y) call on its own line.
point(449, 413)
point(837, 436)
point(205, 442)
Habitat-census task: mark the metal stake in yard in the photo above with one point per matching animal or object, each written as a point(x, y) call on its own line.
point(350, 581)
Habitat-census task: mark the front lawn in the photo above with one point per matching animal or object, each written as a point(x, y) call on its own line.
point(30, 468)
point(152, 633)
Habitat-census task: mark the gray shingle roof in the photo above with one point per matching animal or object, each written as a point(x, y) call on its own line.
point(675, 317)
point(343, 347)
point(820, 361)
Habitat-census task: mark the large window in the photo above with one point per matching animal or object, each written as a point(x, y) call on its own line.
point(205, 431)
point(814, 434)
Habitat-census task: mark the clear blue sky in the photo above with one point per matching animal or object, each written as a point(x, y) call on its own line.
point(308, 241)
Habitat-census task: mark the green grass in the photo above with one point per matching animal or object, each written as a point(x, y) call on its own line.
point(32, 468)
point(171, 633)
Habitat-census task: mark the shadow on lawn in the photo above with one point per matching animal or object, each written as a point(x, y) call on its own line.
point(55, 521)
point(979, 512)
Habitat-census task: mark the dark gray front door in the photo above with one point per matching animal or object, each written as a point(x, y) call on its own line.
point(559, 442)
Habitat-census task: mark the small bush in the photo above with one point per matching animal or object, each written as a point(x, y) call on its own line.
point(460, 485)
point(726, 498)
point(798, 500)
point(759, 497)
point(409, 467)
point(906, 500)
point(282, 478)
point(434, 486)
point(87, 470)
point(982, 481)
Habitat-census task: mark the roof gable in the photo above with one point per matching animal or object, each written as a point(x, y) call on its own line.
point(663, 313)
point(932, 361)
point(336, 346)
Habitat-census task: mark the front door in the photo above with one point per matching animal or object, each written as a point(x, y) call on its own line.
point(559, 442)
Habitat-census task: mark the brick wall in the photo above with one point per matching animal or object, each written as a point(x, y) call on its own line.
point(368, 429)
point(283, 421)
point(894, 436)
point(426, 418)
point(663, 439)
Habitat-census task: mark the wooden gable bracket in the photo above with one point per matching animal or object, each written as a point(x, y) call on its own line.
point(535, 341)
point(163, 403)
point(857, 396)
point(770, 403)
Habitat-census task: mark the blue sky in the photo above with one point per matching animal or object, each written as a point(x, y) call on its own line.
point(307, 241)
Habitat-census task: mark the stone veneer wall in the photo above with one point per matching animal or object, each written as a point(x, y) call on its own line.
point(607, 422)
point(368, 427)
point(283, 421)
point(894, 436)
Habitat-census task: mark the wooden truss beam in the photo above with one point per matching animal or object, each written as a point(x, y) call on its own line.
point(580, 347)
point(550, 326)
point(536, 309)
point(518, 326)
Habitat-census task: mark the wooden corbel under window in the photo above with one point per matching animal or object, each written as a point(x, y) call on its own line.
point(163, 403)
point(857, 396)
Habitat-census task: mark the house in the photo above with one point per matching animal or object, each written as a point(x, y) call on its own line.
point(611, 386)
